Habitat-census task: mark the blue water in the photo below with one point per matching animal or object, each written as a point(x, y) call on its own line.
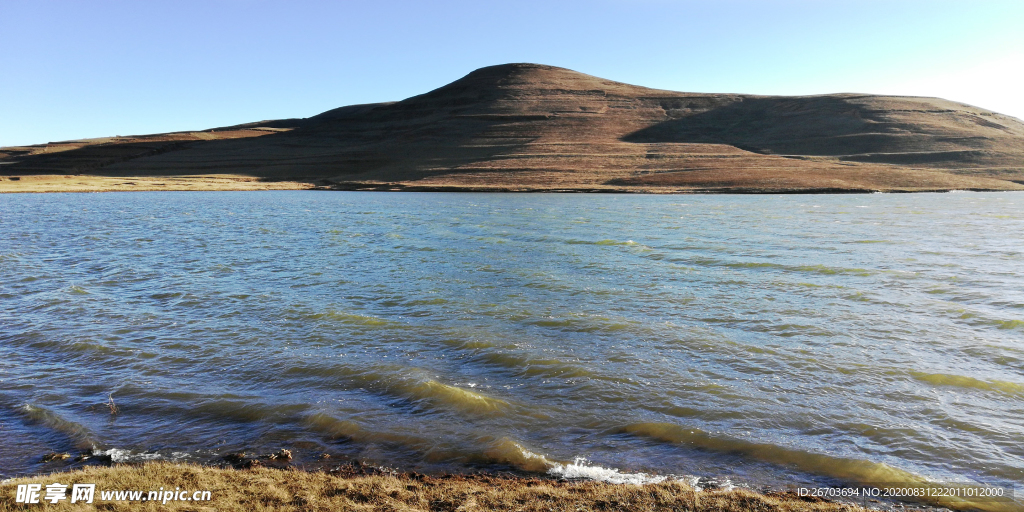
point(763, 340)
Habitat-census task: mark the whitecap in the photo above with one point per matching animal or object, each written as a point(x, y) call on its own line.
point(579, 469)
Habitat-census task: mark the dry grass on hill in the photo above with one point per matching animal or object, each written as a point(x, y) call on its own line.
point(529, 127)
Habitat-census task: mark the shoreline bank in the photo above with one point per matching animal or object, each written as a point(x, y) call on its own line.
point(356, 487)
point(277, 481)
point(238, 183)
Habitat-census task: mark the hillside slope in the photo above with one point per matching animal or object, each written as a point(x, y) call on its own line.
point(534, 127)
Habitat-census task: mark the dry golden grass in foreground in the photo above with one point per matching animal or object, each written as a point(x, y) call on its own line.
point(285, 490)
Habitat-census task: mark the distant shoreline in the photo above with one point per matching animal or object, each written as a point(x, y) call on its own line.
point(87, 183)
point(235, 183)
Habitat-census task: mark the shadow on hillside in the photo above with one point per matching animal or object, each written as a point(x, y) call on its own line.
point(811, 126)
point(96, 160)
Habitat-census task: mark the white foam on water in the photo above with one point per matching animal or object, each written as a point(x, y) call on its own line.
point(579, 469)
point(118, 455)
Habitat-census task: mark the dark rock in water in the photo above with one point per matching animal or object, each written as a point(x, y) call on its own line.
point(101, 457)
point(235, 458)
point(54, 456)
point(242, 460)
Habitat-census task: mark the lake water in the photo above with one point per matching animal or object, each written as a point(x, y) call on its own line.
point(773, 341)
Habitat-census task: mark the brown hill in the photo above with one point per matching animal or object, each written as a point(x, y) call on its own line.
point(533, 127)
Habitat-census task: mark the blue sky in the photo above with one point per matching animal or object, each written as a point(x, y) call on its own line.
point(77, 69)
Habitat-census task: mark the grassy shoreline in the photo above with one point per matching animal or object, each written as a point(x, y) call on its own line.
point(352, 488)
point(42, 183)
point(86, 183)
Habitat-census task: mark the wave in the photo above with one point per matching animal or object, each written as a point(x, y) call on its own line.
point(528, 366)
point(481, 449)
point(852, 471)
point(240, 410)
point(79, 434)
point(606, 241)
point(353, 319)
point(452, 396)
point(507, 451)
point(579, 469)
point(334, 428)
point(408, 384)
point(961, 381)
point(580, 323)
point(977, 319)
point(471, 449)
point(807, 269)
point(1011, 324)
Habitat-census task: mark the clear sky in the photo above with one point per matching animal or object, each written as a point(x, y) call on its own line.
point(75, 69)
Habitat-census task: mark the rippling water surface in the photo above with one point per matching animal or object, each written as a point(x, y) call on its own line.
point(770, 340)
